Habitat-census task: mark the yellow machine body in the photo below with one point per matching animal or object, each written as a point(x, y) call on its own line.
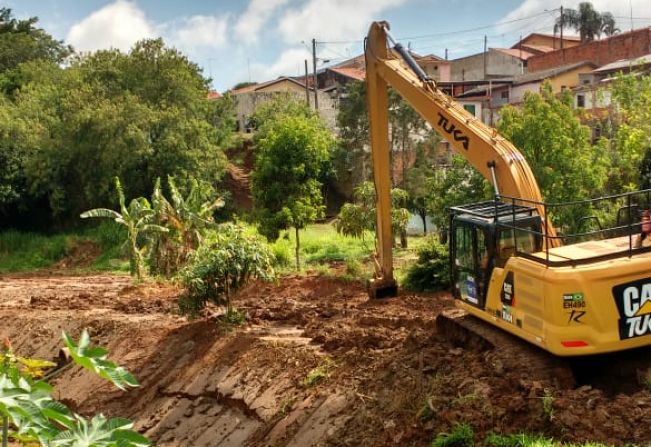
point(561, 298)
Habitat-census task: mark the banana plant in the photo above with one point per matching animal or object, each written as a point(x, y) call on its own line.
point(137, 218)
point(186, 218)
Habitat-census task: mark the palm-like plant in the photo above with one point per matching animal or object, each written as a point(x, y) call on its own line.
point(587, 21)
point(186, 218)
point(137, 218)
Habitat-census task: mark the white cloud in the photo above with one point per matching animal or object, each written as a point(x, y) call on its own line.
point(620, 9)
point(332, 20)
point(198, 32)
point(117, 25)
point(291, 62)
point(257, 14)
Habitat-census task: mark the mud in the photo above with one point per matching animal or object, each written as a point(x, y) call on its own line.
point(316, 364)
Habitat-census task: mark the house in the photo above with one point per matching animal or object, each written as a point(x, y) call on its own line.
point(538, 43)
point(561, 78)
point(496, 63)
point(629, 45)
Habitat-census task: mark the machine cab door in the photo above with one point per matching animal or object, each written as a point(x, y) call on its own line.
point(470, 262)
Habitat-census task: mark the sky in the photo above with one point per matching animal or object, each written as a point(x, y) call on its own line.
point(259, 40)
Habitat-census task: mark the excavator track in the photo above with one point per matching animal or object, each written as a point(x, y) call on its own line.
point(505, 352)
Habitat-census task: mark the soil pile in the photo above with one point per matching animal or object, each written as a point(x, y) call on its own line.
point(316, 364)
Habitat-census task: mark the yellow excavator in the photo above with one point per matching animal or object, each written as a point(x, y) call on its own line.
point(572, 295)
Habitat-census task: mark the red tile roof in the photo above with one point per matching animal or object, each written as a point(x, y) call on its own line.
point(214, 95)
point(520, 54)
point(353, 73)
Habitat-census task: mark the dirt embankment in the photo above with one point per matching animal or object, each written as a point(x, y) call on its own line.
point(317, 364)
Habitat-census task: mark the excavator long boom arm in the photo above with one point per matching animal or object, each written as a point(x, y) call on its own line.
point(491, 154)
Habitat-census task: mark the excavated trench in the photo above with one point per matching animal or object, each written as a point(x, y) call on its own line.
point(316, 364)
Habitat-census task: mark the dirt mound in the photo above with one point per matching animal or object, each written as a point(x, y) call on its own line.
point(317, 364)
point(80, 254)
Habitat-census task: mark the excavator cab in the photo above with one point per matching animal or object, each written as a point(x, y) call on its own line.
point(484, 236)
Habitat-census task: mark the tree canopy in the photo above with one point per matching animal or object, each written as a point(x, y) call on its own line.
point(590, 24)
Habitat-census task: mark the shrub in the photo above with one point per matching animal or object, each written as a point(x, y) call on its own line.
point(227, 260)
point(431, 272)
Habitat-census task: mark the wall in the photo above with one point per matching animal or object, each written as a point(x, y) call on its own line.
point(247, 104)
point(498, 65)
point(549, 41)
point(601, 52)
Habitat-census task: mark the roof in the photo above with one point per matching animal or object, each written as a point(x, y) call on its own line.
point(214, 95)
point(520, 54)
point(565, 37)
point(550, 73)
point(624, 63)
point(262, 85)
point(540, 48)
point(352, 73)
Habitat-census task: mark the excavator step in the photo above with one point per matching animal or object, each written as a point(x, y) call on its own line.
point(505, 352)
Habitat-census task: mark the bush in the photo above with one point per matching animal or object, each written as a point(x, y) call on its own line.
point(432, 270)
point(227, 260)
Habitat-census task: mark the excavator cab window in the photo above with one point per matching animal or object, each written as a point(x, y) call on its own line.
point(524, 241)
point(472, 262)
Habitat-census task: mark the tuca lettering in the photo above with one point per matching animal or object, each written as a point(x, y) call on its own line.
point(452, 130)
point(634, 305)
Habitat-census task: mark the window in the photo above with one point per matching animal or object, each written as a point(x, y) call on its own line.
point(471, 108)
point(580, 100)
point(524, 240)
point(464, 247)
point(505, 94)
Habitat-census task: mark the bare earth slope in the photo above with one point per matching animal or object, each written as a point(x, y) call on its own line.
point(317, 364)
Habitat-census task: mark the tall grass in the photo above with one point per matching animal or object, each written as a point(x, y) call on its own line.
point(27, 251)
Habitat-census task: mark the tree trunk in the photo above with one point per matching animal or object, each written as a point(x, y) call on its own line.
point(298, 247)
point(403, 239)
point(5, 431)
point(423, 215)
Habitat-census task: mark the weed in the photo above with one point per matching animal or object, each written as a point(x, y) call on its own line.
point(426, 412)
point(354, 268)
point(517, 440)
point(319, 373)
point(235, 317)
point(462, 435)
point(548, 404)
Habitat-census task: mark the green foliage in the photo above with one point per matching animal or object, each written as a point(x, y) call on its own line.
point(548, 404)
point(137, 219)
point(455, 185)
point(587, 21)
point(292, 156)
point(517, 440)
point(631, 119)
point(318, 374)
point(462, 435)
point(95, 359)
point(280, 106)
point(431, 272)
point(356, 218)
point(227, 260)
point(186, 219)
point(21, 41)
point(138, 116)
point(32, 415)
point(29, 251)
point(557, 147)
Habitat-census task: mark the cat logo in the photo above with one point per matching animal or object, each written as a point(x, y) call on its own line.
point(633, 301)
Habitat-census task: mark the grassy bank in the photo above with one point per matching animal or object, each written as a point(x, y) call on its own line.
point(92, 248)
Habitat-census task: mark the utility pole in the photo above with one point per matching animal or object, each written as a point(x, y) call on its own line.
point(485, 54)
point(446, 54)
point(562, 20)
point(315, 86)
point(307, 90)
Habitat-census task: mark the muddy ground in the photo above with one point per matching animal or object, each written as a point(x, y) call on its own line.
point(316, 364)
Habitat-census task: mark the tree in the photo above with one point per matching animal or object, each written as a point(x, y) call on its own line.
point(453, 185)
point(138, 116)
point(225, 262)
point(589, 23)
point(557, 147)
point(22, 41)
point(292, 152)
point(631, 120)
point(354, 219)
point(419, 175)
point(137, 218)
